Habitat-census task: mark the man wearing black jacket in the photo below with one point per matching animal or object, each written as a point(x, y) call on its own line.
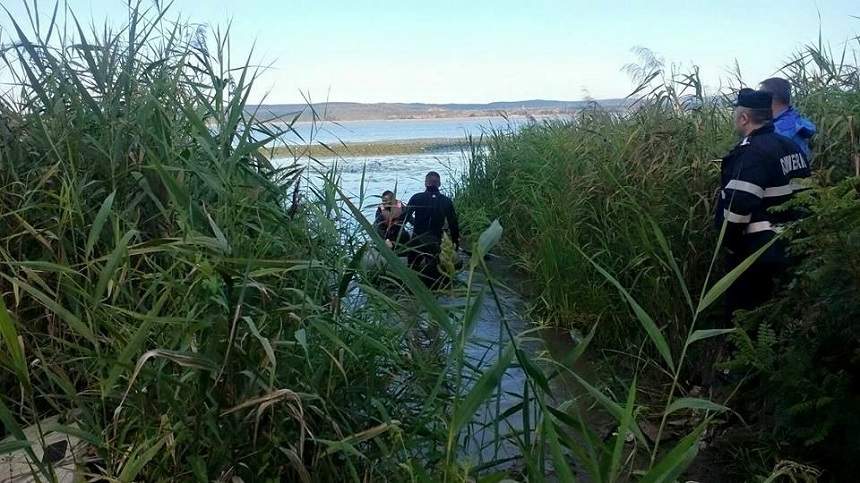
point(760, 173)
point(429, 212)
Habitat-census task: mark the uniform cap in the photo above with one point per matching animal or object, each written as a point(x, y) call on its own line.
point(753, 99)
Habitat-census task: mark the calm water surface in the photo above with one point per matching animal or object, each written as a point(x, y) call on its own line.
point(364, 179)
point(402, 129)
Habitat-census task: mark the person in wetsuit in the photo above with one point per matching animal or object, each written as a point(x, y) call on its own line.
point(429, 212)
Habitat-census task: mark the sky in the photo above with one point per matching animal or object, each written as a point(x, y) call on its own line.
point(498, 50)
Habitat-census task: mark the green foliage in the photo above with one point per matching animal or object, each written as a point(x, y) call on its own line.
point(158, 291)
point(595, 185)
point(601, 182)
point(610, 202)
point(758, 352)
point(806, 349)
point(161, 292)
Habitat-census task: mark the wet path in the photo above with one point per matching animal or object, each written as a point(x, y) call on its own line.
point(491, 441)
point(492, 438)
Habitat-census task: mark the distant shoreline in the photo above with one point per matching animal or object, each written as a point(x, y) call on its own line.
point(369, 148)
point(538, 117)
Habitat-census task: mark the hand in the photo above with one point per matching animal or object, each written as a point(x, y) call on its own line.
point(389, 244)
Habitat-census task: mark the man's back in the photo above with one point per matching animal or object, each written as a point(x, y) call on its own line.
point(757, 176)
point(791, 124)
point(429, 211)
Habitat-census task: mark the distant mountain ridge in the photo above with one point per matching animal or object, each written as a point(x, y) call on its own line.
point(354, 111)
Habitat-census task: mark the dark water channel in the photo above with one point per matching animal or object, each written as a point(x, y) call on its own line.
point(491, 440)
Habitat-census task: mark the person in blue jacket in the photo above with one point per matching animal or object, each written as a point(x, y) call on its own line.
point(786, 120)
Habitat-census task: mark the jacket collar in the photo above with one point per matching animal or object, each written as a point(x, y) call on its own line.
point(767, 128)
point(785, 112)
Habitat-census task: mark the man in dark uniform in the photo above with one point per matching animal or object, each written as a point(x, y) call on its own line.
point(428, 212)
point(758, 174)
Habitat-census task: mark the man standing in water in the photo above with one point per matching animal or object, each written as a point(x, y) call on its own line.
point(756, 176)
point(428, 212)
point(786, 120)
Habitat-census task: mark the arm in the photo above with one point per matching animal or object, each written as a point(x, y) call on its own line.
point(743, 195)
point(805, 128)
point(379, 222)
point(409, 212)
point(453, 224)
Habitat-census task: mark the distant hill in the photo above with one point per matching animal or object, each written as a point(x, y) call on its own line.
point(353, 111)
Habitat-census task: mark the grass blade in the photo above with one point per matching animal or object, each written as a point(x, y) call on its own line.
point(98, 224)
point(647, 322)
point(10, 335)
point(109, 270)
point(621, 438)
point(559, 461)
point(611, 407)
point(676, 460)
point(695, 403)
point(479, 393)
point(724, 283)
point(700, 334)
point(74, 322)
point(670, 257)
point(137, 460)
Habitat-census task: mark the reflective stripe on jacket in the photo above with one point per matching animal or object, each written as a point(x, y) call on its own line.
point(756, 176)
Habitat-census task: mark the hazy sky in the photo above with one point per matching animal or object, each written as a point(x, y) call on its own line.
point(481, 51)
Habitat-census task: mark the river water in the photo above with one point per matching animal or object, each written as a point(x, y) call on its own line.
point(365, 178)
point(330, 132)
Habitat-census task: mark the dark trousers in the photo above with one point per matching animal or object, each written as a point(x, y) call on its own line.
point(753, 288)
point(423, 257)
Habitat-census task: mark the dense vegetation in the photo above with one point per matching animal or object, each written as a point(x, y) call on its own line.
point(165, 297)
point(190, 310)
point(621, 188)
point(177, 306)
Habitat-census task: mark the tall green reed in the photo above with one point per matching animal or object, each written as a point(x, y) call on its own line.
point(593, 205)
point(163, 292)
point(599, 181)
